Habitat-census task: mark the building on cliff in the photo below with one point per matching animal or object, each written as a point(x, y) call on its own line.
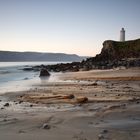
point(122, 35)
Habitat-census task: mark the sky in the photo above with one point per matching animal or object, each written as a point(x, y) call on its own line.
point(66, 26)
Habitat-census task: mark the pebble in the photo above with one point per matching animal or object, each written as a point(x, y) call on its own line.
point(104, 131)
point(94, 84)
point(5, 120)
point(6, 104)
point(46, 126)
point(21, 131)
point(100, 136)
point(20, 102)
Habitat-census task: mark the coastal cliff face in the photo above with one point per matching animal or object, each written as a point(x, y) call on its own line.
point(114, 54)
point(117, 50)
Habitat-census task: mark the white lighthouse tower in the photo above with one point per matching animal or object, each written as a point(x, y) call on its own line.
point(122, 35)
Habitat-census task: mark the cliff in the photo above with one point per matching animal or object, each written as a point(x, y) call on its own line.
point(117, 50)
point(115, 54)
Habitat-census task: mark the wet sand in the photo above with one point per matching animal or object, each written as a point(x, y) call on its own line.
point(48, 111)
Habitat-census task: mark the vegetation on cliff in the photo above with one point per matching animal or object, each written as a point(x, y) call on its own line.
point(118, 50)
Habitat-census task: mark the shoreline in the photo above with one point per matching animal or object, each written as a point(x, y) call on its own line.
point(112, 110)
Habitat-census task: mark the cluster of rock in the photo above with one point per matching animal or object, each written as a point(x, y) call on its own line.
point(113, 54)
point(126, 62)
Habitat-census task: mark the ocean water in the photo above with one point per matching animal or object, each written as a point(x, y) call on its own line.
point(13, 78)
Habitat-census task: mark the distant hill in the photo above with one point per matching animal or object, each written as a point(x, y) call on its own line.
point(11, 56)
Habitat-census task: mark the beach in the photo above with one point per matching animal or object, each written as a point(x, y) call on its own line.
point(85, 105)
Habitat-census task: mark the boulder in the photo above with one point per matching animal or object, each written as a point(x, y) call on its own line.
point(44, 72)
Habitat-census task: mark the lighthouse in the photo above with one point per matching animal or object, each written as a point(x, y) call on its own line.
point(122, 35)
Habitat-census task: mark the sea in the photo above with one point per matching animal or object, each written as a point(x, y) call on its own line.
point(13, 78)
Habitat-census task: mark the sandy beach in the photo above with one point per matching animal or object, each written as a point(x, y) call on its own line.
point(86, 105)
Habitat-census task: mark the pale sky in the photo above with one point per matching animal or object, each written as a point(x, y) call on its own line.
point(66, 26)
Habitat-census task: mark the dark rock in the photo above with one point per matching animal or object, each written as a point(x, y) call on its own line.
point(94, 84)
point(21, 131)
point(31, 105)
point(2, 108)
point(44, 72)
point(101, 136)
point(46, 126)
point(104, 131)
point(28, 69)
point(71, 96)
point(20, 102)
point(26, 78)
point(82, 100)
point(6, 104)
point(5, 120)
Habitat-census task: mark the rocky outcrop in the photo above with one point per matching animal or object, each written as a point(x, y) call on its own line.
point(113, 50)
point(73, 67)
point(114, 54)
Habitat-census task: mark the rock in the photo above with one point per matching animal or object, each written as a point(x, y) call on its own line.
point(104, 131)
point(2, 108)
point(94, 84)
point(31, 105)
point(20, 102)
point(82, 99)
point(137, 102)
point(71, 96)
point(44, 72)
point(46, 126)
point(5, 120)
point(6, 104)
point(21, 131)
point(28, 69)
point(100, 136)
point(25, 78)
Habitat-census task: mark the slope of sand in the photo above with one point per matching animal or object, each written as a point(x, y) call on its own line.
point(112, 111)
